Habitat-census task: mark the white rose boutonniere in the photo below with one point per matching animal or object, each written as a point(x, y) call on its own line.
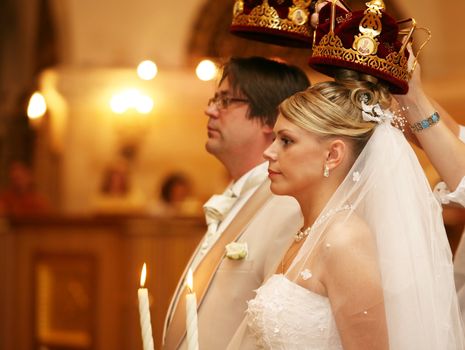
point(236, 250)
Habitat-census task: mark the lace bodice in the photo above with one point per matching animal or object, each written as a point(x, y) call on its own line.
point(284, 315)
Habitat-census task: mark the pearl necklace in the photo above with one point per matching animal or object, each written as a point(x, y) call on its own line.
point(303, 233)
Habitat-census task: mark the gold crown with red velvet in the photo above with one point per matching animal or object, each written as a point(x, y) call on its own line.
point(367, 41)
point(280, 22)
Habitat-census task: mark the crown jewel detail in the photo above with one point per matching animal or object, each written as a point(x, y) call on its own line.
point(395, 64)
point(267, 17)
point(370, 27)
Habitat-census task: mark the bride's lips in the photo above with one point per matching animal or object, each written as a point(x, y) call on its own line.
point(272, 173)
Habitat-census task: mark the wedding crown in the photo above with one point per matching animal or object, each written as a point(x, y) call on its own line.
point(366, 41)
point(274, 21)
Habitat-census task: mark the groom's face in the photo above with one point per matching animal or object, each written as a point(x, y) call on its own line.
point(230, 131)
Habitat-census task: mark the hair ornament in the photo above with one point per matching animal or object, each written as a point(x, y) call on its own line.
point(374, 113)
point(364, 97)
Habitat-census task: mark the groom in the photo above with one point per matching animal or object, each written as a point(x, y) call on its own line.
point(241, 116)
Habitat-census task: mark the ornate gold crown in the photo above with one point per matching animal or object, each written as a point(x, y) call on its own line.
point(277, 23)
point(375, 50)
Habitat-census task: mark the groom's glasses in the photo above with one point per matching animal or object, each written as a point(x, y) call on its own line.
point(222, 102)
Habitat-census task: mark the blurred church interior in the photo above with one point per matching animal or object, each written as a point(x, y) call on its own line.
point(108, 137)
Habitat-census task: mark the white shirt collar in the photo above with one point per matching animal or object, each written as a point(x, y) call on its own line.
point(260, 170)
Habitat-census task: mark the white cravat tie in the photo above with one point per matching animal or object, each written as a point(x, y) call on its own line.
point(218, 206)
point(215, 210)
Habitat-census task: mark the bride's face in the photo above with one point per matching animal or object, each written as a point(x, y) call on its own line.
point(296, 159)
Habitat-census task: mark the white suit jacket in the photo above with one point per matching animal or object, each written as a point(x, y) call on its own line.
point(268, 235)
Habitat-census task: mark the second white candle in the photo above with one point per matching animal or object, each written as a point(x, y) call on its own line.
point(191, 314)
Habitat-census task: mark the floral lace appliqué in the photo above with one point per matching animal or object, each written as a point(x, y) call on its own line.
point(356, 176)
point(285, 315)
point(306, 274)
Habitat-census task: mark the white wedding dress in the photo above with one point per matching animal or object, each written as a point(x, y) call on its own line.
point(285, 315)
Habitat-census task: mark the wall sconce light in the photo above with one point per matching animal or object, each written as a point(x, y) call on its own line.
point(131, 99)
point(36, 108)
point(131, 107)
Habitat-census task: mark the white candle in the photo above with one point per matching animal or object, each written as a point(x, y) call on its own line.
point(144, 312)
point(191, 314)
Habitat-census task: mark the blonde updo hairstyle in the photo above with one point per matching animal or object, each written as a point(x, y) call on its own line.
point(334, 108)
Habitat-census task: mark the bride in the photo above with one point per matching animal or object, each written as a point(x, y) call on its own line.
point(371, 268)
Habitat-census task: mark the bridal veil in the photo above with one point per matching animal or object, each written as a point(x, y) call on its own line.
point(387, 189)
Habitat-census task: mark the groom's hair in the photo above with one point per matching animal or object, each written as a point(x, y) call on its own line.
point(265, 83)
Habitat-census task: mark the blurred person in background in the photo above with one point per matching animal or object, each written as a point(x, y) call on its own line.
point(175, 197)
point(117, 195)
point(20, 197)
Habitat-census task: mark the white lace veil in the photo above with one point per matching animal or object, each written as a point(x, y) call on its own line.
point(387, 188)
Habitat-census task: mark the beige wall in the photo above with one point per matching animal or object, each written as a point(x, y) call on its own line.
point(442, 57)
point(120, 32)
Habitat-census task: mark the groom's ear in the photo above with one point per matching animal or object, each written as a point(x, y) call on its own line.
point(267, 130)
point(337, 152)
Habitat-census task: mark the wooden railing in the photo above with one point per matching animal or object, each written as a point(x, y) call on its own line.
point(71, 283)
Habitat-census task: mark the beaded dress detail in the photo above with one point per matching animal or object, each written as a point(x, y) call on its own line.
point(284, 315)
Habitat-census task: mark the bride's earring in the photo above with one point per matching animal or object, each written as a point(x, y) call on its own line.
point(326, 170)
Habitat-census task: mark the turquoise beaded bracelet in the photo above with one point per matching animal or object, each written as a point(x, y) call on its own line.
point(425, 123)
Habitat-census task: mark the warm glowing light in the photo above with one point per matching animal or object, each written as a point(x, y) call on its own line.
point(144, 104)
point(37, 106)
point(206, 70)
point(147, 70)
point(143, 275)
point(118, 105)
point(190, 281)
point(131, 98)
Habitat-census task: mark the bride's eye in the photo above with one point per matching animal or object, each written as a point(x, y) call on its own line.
point(286, 141)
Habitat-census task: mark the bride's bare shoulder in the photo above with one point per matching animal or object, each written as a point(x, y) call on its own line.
point(349, 249)
point(343, 232)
